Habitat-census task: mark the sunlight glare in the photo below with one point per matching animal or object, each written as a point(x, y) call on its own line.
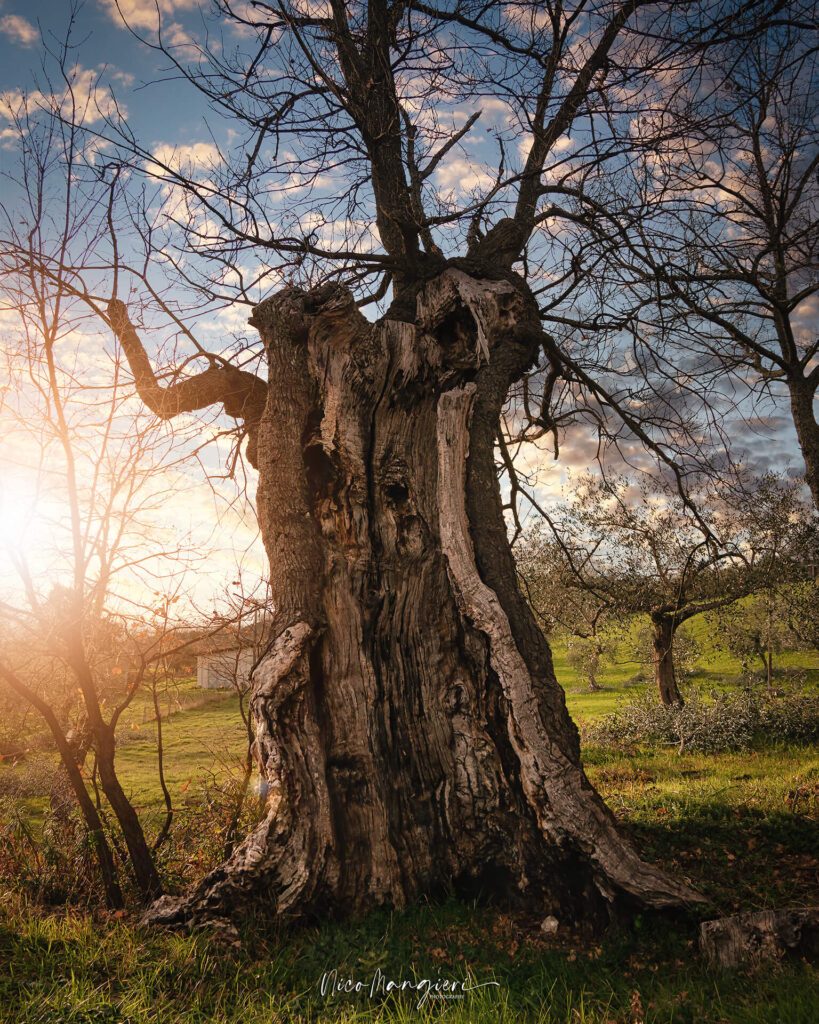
point(18, 505)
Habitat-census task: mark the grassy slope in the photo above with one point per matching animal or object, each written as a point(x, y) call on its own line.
point(198, 742)
point(203, 737)
point(620, 678)
point(728, 822)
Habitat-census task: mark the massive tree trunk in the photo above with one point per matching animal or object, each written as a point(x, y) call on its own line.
point(663, 627)
point(407, 715)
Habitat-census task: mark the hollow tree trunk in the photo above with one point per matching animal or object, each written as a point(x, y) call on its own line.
point(662, 653)
point(407, 716)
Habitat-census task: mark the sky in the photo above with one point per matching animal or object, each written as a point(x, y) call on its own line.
point(198, 512)
point(197, 509)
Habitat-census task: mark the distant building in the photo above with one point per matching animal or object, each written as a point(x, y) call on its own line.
point(223, 670)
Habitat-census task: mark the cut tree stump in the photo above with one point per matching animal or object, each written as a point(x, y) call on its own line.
point(748, 939)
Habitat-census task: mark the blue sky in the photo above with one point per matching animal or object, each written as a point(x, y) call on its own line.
point(102, 44)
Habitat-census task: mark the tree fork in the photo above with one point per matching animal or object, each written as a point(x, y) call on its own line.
point(407, 717)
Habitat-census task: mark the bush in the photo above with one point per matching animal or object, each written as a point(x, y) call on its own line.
point(54, 865)
point(27, 778)
point(202, 825)
point(719, 722)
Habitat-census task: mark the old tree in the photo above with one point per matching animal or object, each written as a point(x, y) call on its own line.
point(407, 715)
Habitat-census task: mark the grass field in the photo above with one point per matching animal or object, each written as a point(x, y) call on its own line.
point(622, 678)
point(743, 827)
point(199, 742)
point(727, 822)
point(204, 736)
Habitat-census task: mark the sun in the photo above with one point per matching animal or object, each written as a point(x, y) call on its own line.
point(18, 514)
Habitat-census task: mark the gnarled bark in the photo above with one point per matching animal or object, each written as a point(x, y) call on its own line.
point(407, 715)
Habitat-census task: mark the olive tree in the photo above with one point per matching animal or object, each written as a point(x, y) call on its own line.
point(634, 548)
point(406, 715)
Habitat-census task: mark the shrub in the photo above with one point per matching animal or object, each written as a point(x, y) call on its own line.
point(31, 777)
point(201, 827)
point(740, 720)
point(54, 865)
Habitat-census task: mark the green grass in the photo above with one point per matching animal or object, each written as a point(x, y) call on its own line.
point(199, 743)
point(204, 741)
point(744, 828)
point(728, 822)
point(623, 679)
point(203, 731)
point(76, 969)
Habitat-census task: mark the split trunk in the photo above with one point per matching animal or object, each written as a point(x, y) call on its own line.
point(407, 717)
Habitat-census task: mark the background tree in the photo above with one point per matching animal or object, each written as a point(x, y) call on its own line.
point(652, 557)
point(783, 610)
point(587, 618)
point(685, 651)
point(802, 610)
point(755, 629)
point(71, 634)
point(711, 235)
point(92, 475)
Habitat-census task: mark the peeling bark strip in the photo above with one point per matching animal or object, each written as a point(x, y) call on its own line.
point(411, 732)
point(568, 810)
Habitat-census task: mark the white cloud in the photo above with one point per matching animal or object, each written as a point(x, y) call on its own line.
point(187, 157)
point(142, 14)
point(116, 75)
point(527, 19)
point(313, 8)
point(463, 176)
point(175, 37)
point(85, 101)
point(18, 29)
